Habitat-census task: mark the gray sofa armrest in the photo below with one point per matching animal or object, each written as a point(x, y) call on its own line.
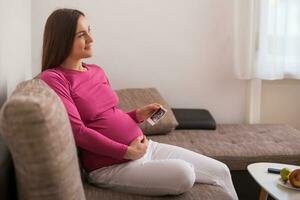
point(36, 128)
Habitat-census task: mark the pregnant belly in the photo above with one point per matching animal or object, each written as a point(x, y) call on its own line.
point(116, 125)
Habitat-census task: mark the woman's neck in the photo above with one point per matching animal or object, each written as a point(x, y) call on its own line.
point(73, 64)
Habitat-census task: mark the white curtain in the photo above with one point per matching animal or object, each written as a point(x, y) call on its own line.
point(273, 39)
point(246, 23)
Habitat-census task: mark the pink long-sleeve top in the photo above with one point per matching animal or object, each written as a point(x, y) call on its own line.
point(101, 130)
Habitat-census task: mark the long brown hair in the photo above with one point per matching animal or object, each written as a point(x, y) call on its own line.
point(59, 36)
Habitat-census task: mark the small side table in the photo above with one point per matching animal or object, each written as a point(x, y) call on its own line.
point(269, 182)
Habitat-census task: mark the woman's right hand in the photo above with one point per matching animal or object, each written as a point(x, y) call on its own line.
point(137, 148)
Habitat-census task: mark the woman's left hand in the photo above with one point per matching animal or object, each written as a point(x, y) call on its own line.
point(146, 111)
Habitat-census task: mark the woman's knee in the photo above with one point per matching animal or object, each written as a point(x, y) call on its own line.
point(222, 171)
point(184, 178)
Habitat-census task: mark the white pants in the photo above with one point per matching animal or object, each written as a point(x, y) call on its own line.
point(164, 170)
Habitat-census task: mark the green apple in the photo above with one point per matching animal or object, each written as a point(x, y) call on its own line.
point(285, 173)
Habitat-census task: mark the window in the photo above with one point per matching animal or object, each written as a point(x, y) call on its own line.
point(267, 39)
point(278, 53)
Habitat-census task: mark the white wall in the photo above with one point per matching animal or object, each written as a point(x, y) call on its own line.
point(15, 45)
point(280, 102)
point(183, 48)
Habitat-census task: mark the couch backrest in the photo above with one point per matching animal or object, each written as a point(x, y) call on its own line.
point(36, 128)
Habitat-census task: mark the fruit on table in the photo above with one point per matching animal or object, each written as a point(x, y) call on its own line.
point(285, 173)
point(294, 178)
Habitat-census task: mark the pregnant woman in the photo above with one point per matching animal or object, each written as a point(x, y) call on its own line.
point(114, 151)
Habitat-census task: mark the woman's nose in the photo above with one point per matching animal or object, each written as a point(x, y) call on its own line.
point(89, 38)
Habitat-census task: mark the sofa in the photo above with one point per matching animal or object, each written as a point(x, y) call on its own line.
point(39, 159)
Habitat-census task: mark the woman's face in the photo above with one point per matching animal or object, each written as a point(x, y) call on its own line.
point(82, 46)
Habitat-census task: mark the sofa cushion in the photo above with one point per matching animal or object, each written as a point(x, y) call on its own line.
point(133, 98)
point(37, 131)
point(198, 191)
point(238, 145)
point(194, 119)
